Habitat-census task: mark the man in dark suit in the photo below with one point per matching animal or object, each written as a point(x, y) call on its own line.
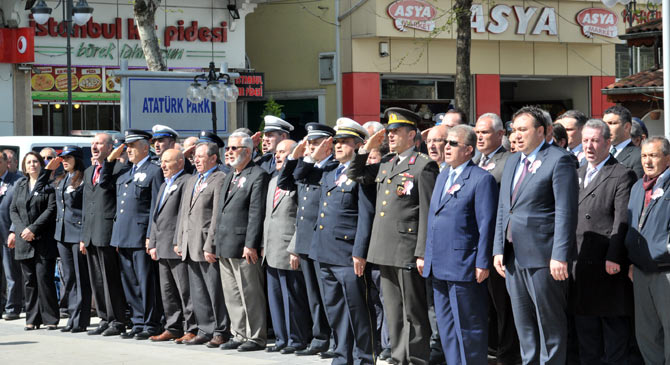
point(601, 294)
point(647, 244)
point(286, 286)
point(275, 130)
point(194, 242)
point(172, 271)
point(404, 181)
point(340, 245)
point(11, 299)
point(239, 235)
point(98, 219)
point(136, 195)
point(461, 224)
point(620, 121)
point(535, 235)
point(306, 173)
point(573, 121)
point(503, 340)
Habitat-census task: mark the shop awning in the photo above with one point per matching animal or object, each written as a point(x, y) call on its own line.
point(642, 86)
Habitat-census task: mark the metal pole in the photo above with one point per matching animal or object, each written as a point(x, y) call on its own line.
point(68, 22)
point(211, 76)
point(666, 64)
point(338, 73)
point(213, 116)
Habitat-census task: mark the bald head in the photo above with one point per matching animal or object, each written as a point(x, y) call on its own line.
point(172, 161)
point(284, 148)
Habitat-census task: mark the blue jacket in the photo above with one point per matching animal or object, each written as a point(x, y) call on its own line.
point(461, 226)
point(69, 203)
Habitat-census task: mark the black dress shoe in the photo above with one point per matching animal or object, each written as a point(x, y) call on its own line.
point(385, 354)
point(130, 334)
point(112, 331)
point(230, 345)
point(52, 327)
point(98, 330)
point(275, 348)
point(11, 316)
point(327, 355)
point(250, 346)
point(289, 350)
point(144, 335)
point(66, 329)
point(30, 327)
point(309, 351)
point(77, 329)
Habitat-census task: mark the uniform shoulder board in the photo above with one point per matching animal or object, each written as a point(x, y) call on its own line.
point(425, 156)
point(412, 160)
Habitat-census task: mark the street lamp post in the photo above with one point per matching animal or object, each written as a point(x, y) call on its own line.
point(82, 13)
point(214, 92)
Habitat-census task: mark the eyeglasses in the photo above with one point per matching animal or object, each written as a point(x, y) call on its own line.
point(49, 158)
point(234, 148)
point(436, 140)
point(454, 143)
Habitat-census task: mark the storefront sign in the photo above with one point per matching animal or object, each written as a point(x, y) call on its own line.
point(17, 45)
point(545, 20)
point(251, 85)
point(414, 14)
point(598, 21)
point(641, 16)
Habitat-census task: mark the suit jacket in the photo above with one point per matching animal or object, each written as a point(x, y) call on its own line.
point(543, 219)
point(241, 212)
point(307, 177)
point(164, 218)
point(601, 231)
point(69, 203)
point(630, 157)
point(267, 162)
point(649, 228)
point(279, 225)
point(196, 223)
point(461, 225)
point(36, 210)
point(136, 196)
point(403, 200)
point(497, 163)
point(100, 203)
point(7, 188)
point(344, 223)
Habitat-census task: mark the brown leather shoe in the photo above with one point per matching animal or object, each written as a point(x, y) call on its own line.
point(197, 340)
point(165, 336)
point(188, 336)
point(216, 341)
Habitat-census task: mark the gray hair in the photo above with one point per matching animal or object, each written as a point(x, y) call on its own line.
point(467, 132)
point(636, 130)
point(49, 150)
point(601, 126)
point(243, 130)
point(576, 115)
point(665, 145)
point(376, 126)
point(497, 123)
point(212, 148)
point(246, 139)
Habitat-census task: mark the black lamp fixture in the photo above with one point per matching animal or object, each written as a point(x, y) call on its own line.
point(232, 9)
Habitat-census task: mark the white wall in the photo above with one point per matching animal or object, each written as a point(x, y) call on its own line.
point(7, 96)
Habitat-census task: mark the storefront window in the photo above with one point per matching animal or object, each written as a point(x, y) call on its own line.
point(50, 119)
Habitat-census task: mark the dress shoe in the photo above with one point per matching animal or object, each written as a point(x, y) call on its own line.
point(11, 316)
point(112, 331)
point(215, 342)
point(165, 336)
point(197, 340)
point(275, 348)
point(291, 349)
point(188, 336)
point(392, 361)
point(64, 315)
point(30, 327)
point(436, 357)
point(327, 355)
point(309, 351)
point(52, 327)
point(131, 334)
point(98, 330)
point(77, 329)
point(66, 329)
point(385, 354)
point(250, 346)
point(230, 345)
point(144, 335)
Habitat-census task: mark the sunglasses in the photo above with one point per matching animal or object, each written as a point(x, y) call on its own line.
point(233, 148)
point(453, 143)
point(49, 158)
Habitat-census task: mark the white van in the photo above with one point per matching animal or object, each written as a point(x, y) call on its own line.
point(24, 144)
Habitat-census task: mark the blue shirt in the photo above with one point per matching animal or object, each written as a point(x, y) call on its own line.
point(168, 183)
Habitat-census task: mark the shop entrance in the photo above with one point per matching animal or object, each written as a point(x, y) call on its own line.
point(298, 112)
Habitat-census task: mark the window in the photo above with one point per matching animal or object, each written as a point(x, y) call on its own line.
point(643, 59)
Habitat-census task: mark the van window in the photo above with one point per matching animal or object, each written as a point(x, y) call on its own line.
point(59, 149)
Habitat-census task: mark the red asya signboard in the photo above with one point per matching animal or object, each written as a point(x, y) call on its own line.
point(598, 21)
point(414, 14)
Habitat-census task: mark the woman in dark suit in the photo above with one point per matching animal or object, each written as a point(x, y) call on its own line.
point(33, 213)
point(69, 199)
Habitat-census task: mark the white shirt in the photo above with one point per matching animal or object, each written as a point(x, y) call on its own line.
point(597, 168)
point(531, 158)
point(402, 156)
point(621, 146)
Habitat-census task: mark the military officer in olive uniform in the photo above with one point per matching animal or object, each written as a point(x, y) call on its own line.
point(405, 181)
point(136, 192)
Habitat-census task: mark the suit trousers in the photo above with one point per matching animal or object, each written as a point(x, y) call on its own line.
point(76, 283)
point(288, 307)
point(320, 327)
point(345, 300)
point(14, 281)
point(652, 317)
point(405, 305)
point(376, 300)
point(104, 273)
point(176, 296)
point(539, 305)
point(505, 339)
point(139, 285)
point(603, 340)
point(432, 317)
point(462, 318)
point(244, 293)
point(40, 289)
point(207, 298)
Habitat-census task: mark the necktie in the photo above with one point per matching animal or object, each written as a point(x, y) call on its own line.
point(197, 187)
point(483, 161)
point(613, 150)
point(339, 172)
point(132, 171)
point(589, 176)
point(450, 182)
point(96, 174)
point(526, 165)
point(278, 192)
point(648, 186)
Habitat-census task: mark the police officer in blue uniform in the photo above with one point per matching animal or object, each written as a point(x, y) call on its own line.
point(306, 173)
point(165, 138)
point(136, 192)
point(340, 246)
point(274, 131)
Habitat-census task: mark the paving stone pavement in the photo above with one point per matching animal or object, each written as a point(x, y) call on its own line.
point(54, 347)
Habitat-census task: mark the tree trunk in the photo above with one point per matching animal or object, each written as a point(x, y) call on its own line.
point(462, 85)
point(145, 11)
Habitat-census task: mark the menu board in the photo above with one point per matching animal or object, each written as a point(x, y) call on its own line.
point(84, 79)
